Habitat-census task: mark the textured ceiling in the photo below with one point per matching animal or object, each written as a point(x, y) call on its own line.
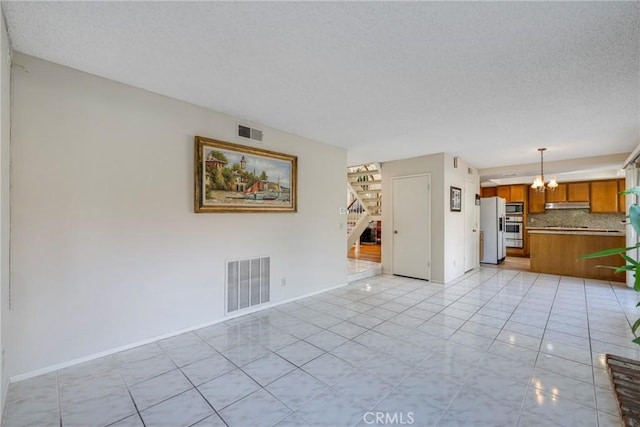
point(487, 81)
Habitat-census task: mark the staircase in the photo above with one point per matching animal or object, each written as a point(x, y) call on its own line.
point(364, 185)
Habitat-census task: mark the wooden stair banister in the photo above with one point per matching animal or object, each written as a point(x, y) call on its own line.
point(365, 188)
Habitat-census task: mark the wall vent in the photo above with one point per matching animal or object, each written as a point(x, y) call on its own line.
point(248, 283)
point(249, 133)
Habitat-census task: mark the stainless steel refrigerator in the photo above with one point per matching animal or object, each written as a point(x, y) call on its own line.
point(492, 223)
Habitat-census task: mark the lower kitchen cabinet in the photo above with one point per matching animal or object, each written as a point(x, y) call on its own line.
point(560, 253)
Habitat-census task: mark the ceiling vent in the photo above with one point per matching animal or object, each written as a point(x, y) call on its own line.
point(249, 133)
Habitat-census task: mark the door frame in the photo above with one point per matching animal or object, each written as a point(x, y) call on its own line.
point(474, 210)
point(428, 175)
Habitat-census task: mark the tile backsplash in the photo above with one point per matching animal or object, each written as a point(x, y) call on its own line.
point(577, 218)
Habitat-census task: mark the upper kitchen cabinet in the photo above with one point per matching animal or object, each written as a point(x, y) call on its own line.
point(570, 192)
point(504, 191)
point(488, 191)
point(536, 201)
point(604, 196)
point(557, 195)
point(511, 193)
point(578, 192)
point(518, 193)
point(622, 203)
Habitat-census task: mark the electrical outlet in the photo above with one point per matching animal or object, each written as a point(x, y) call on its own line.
point(284, 281)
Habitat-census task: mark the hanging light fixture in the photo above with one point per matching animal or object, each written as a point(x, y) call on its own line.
point(538, 182)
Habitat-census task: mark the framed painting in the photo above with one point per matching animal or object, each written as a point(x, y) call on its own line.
point(236, 178)
point(456, 199)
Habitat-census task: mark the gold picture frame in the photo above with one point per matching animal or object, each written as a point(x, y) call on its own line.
point(236, 178)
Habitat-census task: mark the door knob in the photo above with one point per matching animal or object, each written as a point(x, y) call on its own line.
point(395, 231)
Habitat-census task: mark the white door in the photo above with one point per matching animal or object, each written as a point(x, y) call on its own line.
point(411, 226)
point(471, 235)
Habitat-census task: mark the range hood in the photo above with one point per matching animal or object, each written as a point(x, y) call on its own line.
point(567, 205)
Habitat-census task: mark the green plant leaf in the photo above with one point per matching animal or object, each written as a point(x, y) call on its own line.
point(610, 267)
point(629, 260)
point(634, 217)
point(623, 268)
point(633, 190)
point(631, 264)
point(609, 252)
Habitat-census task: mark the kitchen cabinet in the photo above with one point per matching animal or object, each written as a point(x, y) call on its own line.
point(557, 195)
point(578, 192)
point(518, 193)
point(536, 201)
point(604, 196)
point(622, 202)
point(511, 193)
point(488, 191)
point(559, 253)
point(504, 191)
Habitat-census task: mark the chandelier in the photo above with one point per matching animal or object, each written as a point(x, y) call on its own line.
point(538, 182)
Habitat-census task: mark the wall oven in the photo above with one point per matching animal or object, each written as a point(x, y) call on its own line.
point(515, 208)
point(514, 231)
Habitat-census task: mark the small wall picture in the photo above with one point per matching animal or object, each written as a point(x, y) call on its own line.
point(456, 199)
point(235, 178)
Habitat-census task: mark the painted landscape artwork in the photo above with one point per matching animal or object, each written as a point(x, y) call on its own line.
point(236, 178)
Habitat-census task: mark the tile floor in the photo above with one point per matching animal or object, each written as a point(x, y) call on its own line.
point(361, 269)
point(497, 347)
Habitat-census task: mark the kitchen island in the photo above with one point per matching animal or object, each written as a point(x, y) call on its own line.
point(556, 250)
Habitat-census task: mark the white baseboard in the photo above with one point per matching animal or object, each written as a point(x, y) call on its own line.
point(94, 356)
point(5, 390)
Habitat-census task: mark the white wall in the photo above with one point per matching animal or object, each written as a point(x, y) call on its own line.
point(447, 228)
point(434, 165)
point(454, 222)
point(106, 249)
point(5, 220)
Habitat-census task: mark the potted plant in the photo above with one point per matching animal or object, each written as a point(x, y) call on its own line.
point(632, 264)
point(625, 373)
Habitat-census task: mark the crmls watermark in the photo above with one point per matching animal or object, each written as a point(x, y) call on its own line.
point(383, 418)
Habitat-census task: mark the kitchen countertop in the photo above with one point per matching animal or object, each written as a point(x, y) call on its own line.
point(575, 231)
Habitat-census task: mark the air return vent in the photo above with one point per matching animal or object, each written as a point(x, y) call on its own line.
point(249, 133)
point(247, 283)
